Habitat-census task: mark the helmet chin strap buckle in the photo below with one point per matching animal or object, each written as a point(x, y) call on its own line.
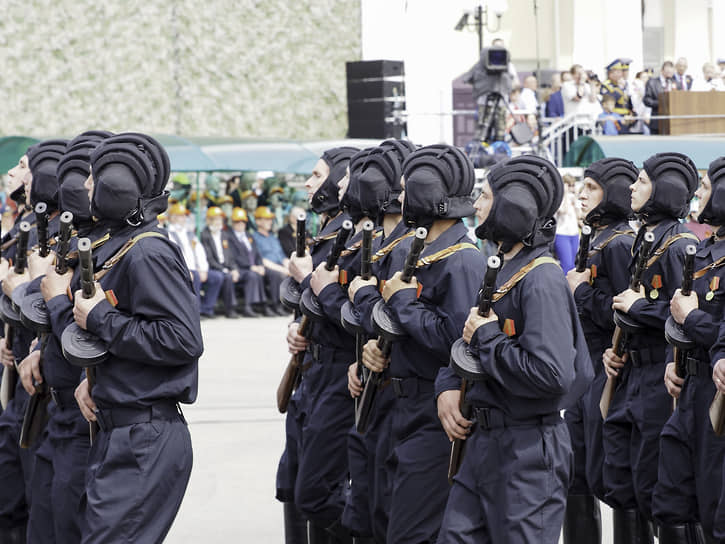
point(135, 218)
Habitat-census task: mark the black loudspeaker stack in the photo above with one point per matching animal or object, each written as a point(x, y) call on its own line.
point(376, 99)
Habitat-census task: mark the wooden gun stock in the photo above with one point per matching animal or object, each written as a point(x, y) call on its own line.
point(293, 371)
point(717, 413)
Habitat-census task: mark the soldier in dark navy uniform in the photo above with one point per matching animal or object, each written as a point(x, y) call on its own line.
point(640, 405)
point(605, 200)
point(323, 192)
point(690, 460)
point(512, 483)
point(146, 312)
point(438, 181)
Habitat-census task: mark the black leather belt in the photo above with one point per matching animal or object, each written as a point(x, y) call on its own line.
point(646, 356)
point(122, 416)
point(407, 387)
point(493, 418)
point(64, 398)
point(695, 367)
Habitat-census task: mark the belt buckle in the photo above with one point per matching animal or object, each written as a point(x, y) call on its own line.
point(397, 384)
point(692, 366)
point(56, 397)
point(316, 352)
point(100, 420)
point(635, 358)
point(483, 417)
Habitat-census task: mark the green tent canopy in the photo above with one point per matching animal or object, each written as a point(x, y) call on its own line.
point(12, 148)
point(701, 149)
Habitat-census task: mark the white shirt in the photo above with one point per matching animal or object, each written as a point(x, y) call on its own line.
point(191, 249)
point(569, 91)
point(715, 84)
point(217, 239)
point(242, 237)
point(527, 100)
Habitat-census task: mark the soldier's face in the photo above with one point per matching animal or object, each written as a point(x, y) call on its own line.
point(89, 186)
point(591, 195)
point(641, 191)
point(318, 177)
point(342, 184)
point(484, 202)
point(703, 193)
point(401, 196)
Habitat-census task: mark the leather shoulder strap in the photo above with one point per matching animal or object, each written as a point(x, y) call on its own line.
point(664, 247)
point(113, 261)
point(383, 251)
point(444, 254)
point(521, 274)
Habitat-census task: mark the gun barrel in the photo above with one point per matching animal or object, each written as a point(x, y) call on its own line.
point(688, 269)
point(489, 285)
point(583, 254)
point(21, 254)
point(342, 235)
point(41, 220)
point(86, 263)
point(644, 251)
point(63, 247)
point(301, 233)
point(416, 248)
point(366, 250)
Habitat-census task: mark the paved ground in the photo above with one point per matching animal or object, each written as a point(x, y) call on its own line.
point(238, 436)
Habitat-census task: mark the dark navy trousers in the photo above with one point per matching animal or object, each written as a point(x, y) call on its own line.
point(13, 504)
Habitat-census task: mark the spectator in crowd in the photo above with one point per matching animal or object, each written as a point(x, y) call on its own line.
point(253, 275)
point(683, 79)
point(249, 203)
point(613, 86)
point(638, 105)
point(657, 85)
point(195, 258)
point(566, 241)
point(576, 93)
point(610, 121)
point(701, 230)
point(267, 243)
point(259, 188)
point(287, 235)
point(234, 189)
point(220, 255)
point(555, 103)
point(226, 203)
point(710, 79)
point(527, 100)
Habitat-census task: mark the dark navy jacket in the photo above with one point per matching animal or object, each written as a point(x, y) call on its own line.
point(594, 302)
point(544, 366)
point(153, 334)
point(435, 320)
point(383, 269)
point(653, 312)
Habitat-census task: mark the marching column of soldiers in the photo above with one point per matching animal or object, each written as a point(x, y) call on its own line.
point(424, 396)
point(460, 368)
point(100, 345)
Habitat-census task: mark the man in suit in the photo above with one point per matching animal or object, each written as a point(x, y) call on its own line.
point(683, 79)
point(253, 276)
point(220, 255)
point(656, 86)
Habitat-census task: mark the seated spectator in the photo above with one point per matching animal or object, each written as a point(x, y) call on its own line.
point(220, 255)
point(611, 122)
point(710, 79)
point(288, 234)
point(267, 243)
point(195, 258)
point(254, 277)
point(555, 103)
point(234, 190)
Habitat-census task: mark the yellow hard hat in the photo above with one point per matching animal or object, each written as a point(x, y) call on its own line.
point(263, 212)
point(247, 194)
point(177, 208)
point(214, 211)
point(225, 199)
point(239, 214)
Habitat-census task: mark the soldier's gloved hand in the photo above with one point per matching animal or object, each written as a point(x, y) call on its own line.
point(85, 401)
point(357, 283)
point(12, 280)
point(395, 284)
point(295, 341)
point(37, 265)
point(474, 321)
point(29, 369)
point(612, 363)
point(673, 383)
point(6, 355)
point(681, 305)
point(4, 268)
point(354, 385)
point(322, 277)
point(575, 279)
point(300, 267)
point(373, 357)
point(83, 306)
point(54, 284)
point(624, 300)
point(718, 375)
point(449, 412)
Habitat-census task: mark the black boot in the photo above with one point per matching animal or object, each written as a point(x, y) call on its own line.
point(16, 535)
point(690, 533)
point(317, 534)
point(631, 527)
point(338, 533)
point(295, 526)
point(582, 520)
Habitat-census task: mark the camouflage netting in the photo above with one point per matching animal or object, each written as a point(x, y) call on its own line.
point(219, 67)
